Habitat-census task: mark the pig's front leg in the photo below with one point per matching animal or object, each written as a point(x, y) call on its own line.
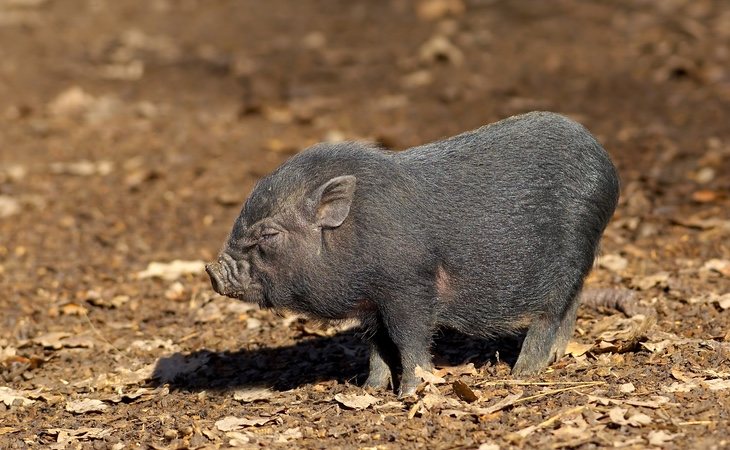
point(383, 357)
point(409, 321)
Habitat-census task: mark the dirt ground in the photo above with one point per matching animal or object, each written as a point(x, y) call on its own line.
point(131, 132)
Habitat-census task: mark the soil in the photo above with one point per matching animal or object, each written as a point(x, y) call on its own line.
point(131, 133)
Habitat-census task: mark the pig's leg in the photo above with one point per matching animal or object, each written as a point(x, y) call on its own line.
point(382, 356)
point(410, 327)
point(546, 340)
point(565, 330)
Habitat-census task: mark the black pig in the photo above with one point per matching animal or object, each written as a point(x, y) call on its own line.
point(490, 232)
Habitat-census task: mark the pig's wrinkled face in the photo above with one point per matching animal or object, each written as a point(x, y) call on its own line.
point(276, 244)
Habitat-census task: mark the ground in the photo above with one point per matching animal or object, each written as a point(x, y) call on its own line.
point(131, 132)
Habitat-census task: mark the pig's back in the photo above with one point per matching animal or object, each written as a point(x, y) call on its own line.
point(515, 206)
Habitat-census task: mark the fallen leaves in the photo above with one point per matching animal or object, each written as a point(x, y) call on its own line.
point(67, 436)
point(428, 376)
point(355, 401)
point(613, 262)
point(618, 416)
point(721, 266)
point(464, 392)
point(172, 270)
point(85, 406)
point(252, 394)
point(8, 430)
point(660, 437)
point(11, 397)
point(231, 423)
point(60, 339)
point(649, 281)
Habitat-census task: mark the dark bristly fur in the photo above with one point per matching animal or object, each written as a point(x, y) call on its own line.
point(490, 232)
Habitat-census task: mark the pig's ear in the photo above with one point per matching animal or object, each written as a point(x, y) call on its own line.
point(332, 201)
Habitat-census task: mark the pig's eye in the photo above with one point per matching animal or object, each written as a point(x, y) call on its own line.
point(269, 235)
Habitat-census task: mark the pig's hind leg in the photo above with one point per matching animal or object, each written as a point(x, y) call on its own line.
point(546, 339)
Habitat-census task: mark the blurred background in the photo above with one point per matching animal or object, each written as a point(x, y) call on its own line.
point(131, 132)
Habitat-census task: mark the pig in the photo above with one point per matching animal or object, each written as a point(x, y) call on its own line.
point(490, 232)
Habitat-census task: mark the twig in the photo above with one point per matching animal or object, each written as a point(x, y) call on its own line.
point(546, 423)
point(557, 391)
point(536, 383)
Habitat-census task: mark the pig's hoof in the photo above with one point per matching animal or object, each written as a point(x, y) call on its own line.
point(523, 370)
point(377, 381)
point(407, 390)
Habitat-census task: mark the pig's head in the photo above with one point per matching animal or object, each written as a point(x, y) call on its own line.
point(278, 244)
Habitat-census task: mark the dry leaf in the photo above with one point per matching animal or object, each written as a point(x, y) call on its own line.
point(468, 369)
point(624, 335)
point(717, 384)
point(85, 406)
point(288, 435)
point(8, 430)
point(576, 349)
point(237, 439)
point(172, 270)
point(723, 301)
point(139, 394)
point(488, 447)
point(65, 435)
point(679, 387)
point(354, 401)
point(51, 340)
point(656, 402)
point(613, 262)
point(125, 377)
point(639, 420)
point(647, 282)
point(627, 388)
point(464, 392)
point(721, 266)
point(252, 394)
point(618, 416)
point(681, 376)
point(231, 423)
point(660, 437)
point(428, 377)
point(60, 339)
point(11, 396)
point(431, 400)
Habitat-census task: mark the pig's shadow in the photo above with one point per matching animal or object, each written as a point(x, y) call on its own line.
point(343, 357)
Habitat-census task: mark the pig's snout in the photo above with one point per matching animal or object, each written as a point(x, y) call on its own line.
point(216, 278)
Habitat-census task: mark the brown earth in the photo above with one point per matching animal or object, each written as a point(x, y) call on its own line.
point(131, 132)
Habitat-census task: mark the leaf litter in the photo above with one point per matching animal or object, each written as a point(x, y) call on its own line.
point(182, 362)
